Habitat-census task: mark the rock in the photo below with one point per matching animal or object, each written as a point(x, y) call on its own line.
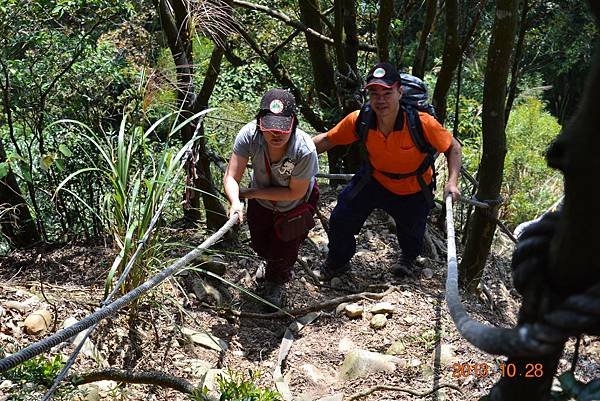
point(5, 385)
point(378, 321)
point(409, 319)
point(313, 374)
point(91, 392)
point(447, 356)
point(353, 310)
point(415, 362)
point(211, 383)
point(38, 322)
point(204, 339)
point(16, 305)
point(427, 272)
point(361, 363)
point(204, 290)
point(420, 261)
point(198, 367)
point(89, 349)
point(2, 312)
point(397, 348)
point(383, 308)
point(341, 308)
point(345, 345)
point(427, 372)
point(212, 263)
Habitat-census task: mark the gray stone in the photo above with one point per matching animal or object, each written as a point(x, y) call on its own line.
point(397, 348)
point(361, 363)
point(427, 272)
point(205, 339)
point(16, 305)
point(353, 310)
point(383, 308)
point(341, 308)
point(378, 321)
point(332, 397)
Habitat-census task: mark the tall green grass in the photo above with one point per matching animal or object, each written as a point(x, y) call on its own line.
point(137, 173)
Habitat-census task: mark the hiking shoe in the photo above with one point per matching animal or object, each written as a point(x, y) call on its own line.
point(404, 268)
point(273, 293)
point(326, 273)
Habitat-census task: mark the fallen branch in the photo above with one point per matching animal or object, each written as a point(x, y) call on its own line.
point(144, 377)
point(329, 304)
point(403, 390)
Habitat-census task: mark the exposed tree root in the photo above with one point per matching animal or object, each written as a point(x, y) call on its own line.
point(329, 304)
point(145, 377)
point(401, 389)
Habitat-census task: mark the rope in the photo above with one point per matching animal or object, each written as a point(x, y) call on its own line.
point(577, 314)
point(109, 310)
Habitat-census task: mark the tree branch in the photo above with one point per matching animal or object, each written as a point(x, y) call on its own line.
point(144, 377)
point(295, 24)
point(401, 389)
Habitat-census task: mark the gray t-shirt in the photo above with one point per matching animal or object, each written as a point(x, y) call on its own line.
point(300, 161)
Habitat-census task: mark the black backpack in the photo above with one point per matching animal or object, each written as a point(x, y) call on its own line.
point(414, 99)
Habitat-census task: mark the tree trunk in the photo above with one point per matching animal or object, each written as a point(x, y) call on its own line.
point(386, 12)
point(482, 228)
point(175, 20)
point(310, 15)
point(418, 68)
point(574, 266)
point(515, 73)
point(450, 60)
point(16, 223)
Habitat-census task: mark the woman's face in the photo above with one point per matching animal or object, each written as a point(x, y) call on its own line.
point(276, 139)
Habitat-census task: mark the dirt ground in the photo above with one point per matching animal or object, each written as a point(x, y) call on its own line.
point(69, 282)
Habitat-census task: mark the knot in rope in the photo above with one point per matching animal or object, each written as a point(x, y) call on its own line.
point(549, 318)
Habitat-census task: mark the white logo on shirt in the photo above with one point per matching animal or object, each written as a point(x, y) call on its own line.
point(287, 167)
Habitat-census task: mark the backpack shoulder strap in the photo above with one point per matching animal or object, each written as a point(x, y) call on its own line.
point(415, 128)
point(363, 122)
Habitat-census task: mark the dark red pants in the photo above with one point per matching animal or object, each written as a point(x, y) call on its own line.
point(280, 255)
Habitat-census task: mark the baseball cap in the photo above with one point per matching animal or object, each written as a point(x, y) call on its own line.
point(383, 74)
point(277, 111)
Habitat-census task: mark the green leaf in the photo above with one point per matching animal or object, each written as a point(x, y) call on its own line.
point(46, 161)
point(64, 149)
point(4, 169)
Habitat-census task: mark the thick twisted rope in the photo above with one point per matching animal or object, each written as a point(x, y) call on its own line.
point(576, 315)
point(41, 346)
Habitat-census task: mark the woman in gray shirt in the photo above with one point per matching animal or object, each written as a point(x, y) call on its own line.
point(284, 161)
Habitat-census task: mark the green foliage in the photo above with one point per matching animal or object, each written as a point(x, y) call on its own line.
point(137, 175)
point(237, 387)
point(530, 186)
point(33, 377)
point(38, 370)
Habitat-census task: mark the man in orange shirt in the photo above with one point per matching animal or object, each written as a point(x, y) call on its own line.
point(390, 179)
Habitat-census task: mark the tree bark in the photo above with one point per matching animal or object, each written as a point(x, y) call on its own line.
point(450, 61)
point(481, 231)
point(310, 15)
point(418, 68)
point(16, 223)
point(177, 29)
point(515, 73)
point(386, 12)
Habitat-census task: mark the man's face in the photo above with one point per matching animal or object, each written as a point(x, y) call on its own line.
point(276, 139)
point(385, 101)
